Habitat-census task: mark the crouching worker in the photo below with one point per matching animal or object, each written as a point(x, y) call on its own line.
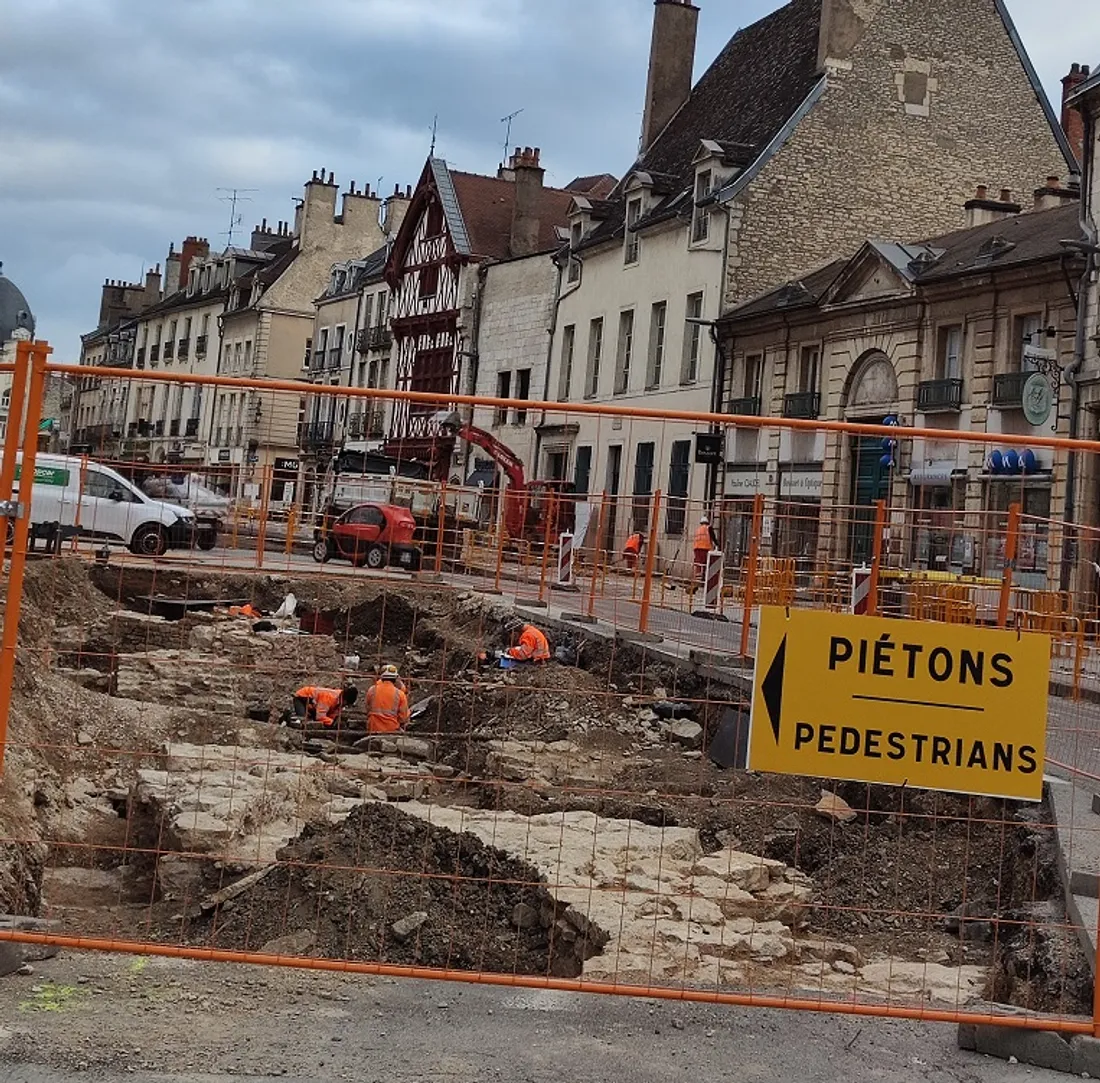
point(632, 550)
point(528, 643)
point(387, 704)
point(314, 705)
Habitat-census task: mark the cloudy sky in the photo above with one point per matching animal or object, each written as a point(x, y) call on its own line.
point(120, 120)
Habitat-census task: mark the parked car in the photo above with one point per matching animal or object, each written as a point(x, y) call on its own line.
point(210, 508)
point(87, 498)
point(370, 535)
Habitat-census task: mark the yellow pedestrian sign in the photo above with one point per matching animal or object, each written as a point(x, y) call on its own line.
point(901, 703)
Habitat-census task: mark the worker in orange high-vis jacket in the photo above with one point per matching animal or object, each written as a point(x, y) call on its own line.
point(632, 550)
point(386, 704)
point(705, 541)
point(529, 644)
point(323, 706)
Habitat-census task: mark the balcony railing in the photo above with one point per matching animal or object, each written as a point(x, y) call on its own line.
point(192, 427)
point(374, 338)
point(1008, 389)
point(183, 349)
point(749, 406)
point(940, 395)
point(366, 426)
point(802, 404)
point(316, 434)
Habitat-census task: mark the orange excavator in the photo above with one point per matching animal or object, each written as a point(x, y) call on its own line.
point(526, 503)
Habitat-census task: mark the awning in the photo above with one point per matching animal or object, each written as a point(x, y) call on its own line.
point(934, 476)
point(48, 424)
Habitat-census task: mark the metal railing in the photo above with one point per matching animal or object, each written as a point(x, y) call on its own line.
point(945, 395)
point(802, 404)
point(748, 406)
point(1008, 389)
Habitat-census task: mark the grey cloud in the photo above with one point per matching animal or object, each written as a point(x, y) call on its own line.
point(121, 118)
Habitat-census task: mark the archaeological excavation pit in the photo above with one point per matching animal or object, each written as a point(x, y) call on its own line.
point(537, 822)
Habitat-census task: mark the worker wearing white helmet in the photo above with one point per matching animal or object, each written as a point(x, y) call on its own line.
point(387, 704)
point(705, 541)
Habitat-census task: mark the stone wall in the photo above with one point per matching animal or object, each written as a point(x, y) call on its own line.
point(932, 102)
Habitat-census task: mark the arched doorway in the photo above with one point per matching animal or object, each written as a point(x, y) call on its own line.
point(871, 395)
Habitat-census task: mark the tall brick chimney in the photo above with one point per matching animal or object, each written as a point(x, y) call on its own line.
point(1073, 123)
point(527, 208)
point(671, 65)
point(192, 247)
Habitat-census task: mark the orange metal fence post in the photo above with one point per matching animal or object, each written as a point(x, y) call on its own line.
point(291, 529)
point(23, 361)
point(750, 575)
point(500, 554)
point(650, 562)
point(596, 556)
point(876, 557)
point(39, 353)
point(261, 532)
point(1012, 540)
point(440, 528)
point(547, 538)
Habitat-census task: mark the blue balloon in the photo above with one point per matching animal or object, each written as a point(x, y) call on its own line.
point(1029, 462)
point(1012, 461)
point(996, 462)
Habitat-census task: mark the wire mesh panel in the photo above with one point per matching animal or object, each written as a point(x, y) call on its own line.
point(188, 772)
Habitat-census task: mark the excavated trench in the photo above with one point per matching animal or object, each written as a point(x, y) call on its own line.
point(113, 707)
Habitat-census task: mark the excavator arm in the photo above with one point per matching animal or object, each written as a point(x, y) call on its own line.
point(500, 453)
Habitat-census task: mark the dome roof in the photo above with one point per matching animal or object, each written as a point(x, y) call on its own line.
point(15, 313)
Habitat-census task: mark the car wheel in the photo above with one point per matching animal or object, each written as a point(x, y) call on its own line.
point(150, 540)
point(322, 551)
point(376, 557)
point(207, 540)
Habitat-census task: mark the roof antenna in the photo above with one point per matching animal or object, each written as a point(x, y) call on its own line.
point(435, 133)
point(508, 134)
point(236, 195)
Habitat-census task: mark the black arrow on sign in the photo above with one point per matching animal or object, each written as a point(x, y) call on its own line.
point(772, 688)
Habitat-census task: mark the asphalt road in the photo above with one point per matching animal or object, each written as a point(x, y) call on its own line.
point(111, 1018)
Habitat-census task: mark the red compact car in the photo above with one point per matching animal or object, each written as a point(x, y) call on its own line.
point(372, 536)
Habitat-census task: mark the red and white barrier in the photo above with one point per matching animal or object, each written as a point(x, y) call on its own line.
point(861, 591)
point(712, 581)
point(565, 560)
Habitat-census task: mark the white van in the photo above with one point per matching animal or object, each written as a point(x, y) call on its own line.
point(106, 507)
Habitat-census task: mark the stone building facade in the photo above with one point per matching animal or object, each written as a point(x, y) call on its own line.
point(825, 122)
point(272, 310)
point(973, 330)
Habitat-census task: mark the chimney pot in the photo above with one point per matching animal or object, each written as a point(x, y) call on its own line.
point(1006, 195)
point(982, 192)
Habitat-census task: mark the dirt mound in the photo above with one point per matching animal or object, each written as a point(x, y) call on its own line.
point(348, 885)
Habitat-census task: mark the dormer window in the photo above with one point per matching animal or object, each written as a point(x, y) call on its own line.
point(576, 234)
point(700, 227)
point(633, 241)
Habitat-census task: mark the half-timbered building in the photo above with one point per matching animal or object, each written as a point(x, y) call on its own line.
point(458, 225)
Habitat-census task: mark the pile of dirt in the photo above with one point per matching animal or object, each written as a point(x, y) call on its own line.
point(339, 891)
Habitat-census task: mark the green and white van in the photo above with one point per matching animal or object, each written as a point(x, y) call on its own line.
point(92, 500)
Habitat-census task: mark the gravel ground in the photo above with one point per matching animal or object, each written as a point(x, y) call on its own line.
point(111, 1018)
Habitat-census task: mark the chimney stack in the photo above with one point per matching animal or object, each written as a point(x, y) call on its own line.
point(193, 247)
point(527, 207)
point(1073, 123)
point(1053, 194)
point(171, 271)
point(671, 65)
point(981, 210)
